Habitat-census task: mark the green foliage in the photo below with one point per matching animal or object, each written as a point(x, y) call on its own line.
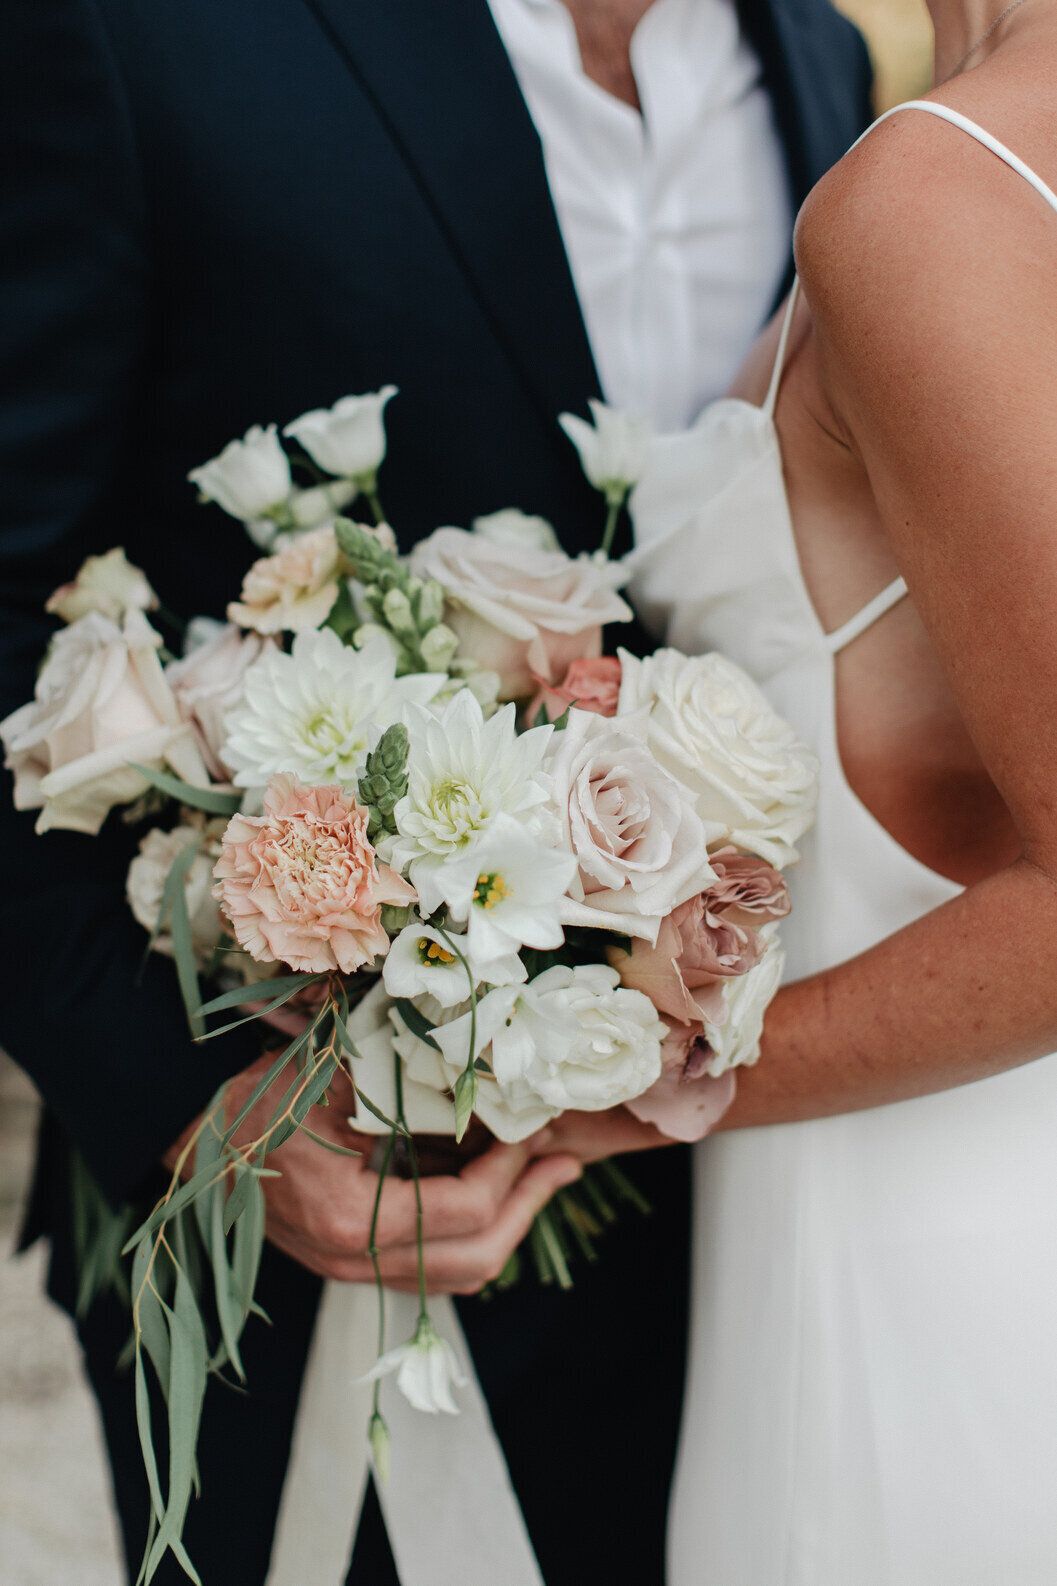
point(210, 799)
point(99, 1233)
point(410, 609)
point(384, 780)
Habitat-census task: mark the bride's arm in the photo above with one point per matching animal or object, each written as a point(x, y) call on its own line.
point(931, 271)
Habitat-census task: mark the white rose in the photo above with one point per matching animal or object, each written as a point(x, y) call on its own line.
point(293, 590)
point(614, 450)
point(428, 1077)
point(250, 478)
point(149, 871)
point(109, 584)
point(518, 610)
point(513, 527)
point(754, 783)
point(637, 838)
point(101, 701)
point(737, 1040)
point(208, 683)
point(572, 1038)
point(349, 438)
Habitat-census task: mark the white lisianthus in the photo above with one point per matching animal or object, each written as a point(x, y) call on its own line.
point(147, 875)
point(207, 682)
point(250, 478)
point(614, 450)
point(639, 843)
point(463, 773)
point(101, 702)
point(511, 526)
point(420, 963)
point(426, 1370)
point(522, 611)
point(310, 713)
point(348, 439)
point(736, 1041)
point(109, 584)
point(516, 886)
point(714, 730)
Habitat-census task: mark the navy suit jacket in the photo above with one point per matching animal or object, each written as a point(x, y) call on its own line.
point(222, 212)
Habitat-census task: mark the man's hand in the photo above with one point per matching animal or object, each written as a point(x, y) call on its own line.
point(319, 1211)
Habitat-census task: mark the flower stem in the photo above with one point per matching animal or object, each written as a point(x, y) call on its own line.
point(372, 1251)
point(612, 519)
point(374, 502)
point(412, 1157)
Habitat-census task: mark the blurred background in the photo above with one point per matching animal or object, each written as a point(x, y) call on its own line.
point(56, 1527)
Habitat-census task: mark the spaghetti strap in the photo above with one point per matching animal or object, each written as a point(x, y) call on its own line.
point(956, 119)
point(783, 343)
point(870, 613)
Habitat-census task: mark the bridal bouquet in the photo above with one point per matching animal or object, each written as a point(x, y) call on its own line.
point(406, 808)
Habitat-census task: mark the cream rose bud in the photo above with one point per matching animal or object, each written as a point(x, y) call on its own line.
point(293, 591)
point(101, 702)
point(518, 610)
point(348, 439)
point(147, 875)
point(736, 1041)
point(250, 478)
point(614, 450)
point(109, 584)
point(513, 527)
point(753, 782)
point(208, 683)
point(637, 839)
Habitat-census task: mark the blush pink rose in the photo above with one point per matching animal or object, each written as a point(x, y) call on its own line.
point(518, 609)
point(686, 1102)
point(302, 885)
point(293, 590)
point(591, 684)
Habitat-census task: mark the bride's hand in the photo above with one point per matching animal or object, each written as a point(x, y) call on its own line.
point(593, 1135)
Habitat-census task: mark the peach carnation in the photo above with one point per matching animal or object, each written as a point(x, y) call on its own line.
point(302, 884)
point(293, 590)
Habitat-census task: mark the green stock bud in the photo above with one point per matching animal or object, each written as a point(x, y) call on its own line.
point(438, 648)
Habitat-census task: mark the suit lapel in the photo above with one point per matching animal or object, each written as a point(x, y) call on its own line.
point(439, 78)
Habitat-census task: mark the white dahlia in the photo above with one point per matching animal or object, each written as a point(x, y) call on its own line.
point(464, 772)
point(309, 714)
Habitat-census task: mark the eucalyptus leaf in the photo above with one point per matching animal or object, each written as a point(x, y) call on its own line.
point(228, 1301)
point(282, 986)
point(212, 800)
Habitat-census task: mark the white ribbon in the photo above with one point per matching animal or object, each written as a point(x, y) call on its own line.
point(450, 1510)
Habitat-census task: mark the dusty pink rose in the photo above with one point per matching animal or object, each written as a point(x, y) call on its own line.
point(696, 951)
point(293, 590)
point(301, 884)
point(747, 891)
point(686, 1102)
point(592, 684)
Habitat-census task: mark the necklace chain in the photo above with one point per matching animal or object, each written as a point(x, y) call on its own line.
point(982, 40)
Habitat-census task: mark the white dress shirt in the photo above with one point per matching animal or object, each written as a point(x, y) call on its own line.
point(677, 221)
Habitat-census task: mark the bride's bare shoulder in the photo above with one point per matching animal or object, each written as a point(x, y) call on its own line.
point(921, 244)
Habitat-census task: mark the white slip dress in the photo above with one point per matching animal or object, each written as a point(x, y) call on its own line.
point(872, 1388)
